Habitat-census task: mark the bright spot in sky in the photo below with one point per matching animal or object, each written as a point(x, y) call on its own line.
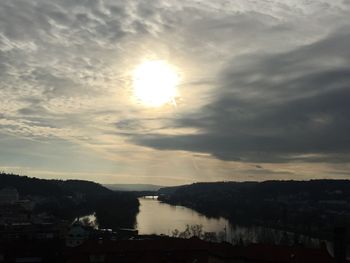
point(155, 82)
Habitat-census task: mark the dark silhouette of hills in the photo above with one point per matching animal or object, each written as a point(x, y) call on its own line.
point(308, 207)
point(43, 187)
point(317, 188)
point(68, 199)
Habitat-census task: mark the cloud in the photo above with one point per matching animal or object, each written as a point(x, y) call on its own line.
point(256, 85)
point(275, 108)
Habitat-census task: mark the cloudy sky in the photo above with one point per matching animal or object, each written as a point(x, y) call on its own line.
point(264, 90)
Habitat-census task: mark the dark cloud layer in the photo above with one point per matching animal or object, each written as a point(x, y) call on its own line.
point(275, 108)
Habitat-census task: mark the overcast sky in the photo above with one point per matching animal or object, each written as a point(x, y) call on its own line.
point(264, 90)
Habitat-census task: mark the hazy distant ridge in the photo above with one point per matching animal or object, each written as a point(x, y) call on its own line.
point(133, 187)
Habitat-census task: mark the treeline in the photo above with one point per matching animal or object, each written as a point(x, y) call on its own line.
point(68, 199)
point(315, 189)
point(43, 187)
point(308, 207)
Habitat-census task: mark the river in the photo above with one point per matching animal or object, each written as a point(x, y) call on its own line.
point(159, 218)
point(155, 217)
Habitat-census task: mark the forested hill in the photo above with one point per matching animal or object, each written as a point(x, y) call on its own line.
point(316, 189)
point(43, 187)
point(311, 207)
point(68, 199)
point(204, 187)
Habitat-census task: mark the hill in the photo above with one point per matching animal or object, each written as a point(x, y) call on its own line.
point(67, 199)
point(309, 207)
point(133, 187)
point(43, 187)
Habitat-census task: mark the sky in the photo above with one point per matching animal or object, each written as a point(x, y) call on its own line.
point(263, 90)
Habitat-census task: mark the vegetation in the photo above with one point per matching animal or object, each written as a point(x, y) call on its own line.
point(197, 231)
point(260, 235)
point(307, 207)
point(68, 199)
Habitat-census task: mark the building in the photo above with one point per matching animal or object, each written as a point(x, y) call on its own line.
point(168, 249)
point(77, 234)
point(8, 195)
point(34, 251)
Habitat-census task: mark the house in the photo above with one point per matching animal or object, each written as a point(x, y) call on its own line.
point(77, 234)
point(8, 195)
point(168, 249)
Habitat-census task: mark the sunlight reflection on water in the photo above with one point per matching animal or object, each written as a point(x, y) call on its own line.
point(156, 217)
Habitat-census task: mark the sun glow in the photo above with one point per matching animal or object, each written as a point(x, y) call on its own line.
point(155, 83)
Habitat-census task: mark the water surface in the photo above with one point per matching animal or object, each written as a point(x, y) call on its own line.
point(160, 218)
point(155, 217)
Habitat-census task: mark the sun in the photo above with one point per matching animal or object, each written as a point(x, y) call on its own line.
point(155, 83)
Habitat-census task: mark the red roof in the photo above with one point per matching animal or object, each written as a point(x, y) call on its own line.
point(182, 250)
